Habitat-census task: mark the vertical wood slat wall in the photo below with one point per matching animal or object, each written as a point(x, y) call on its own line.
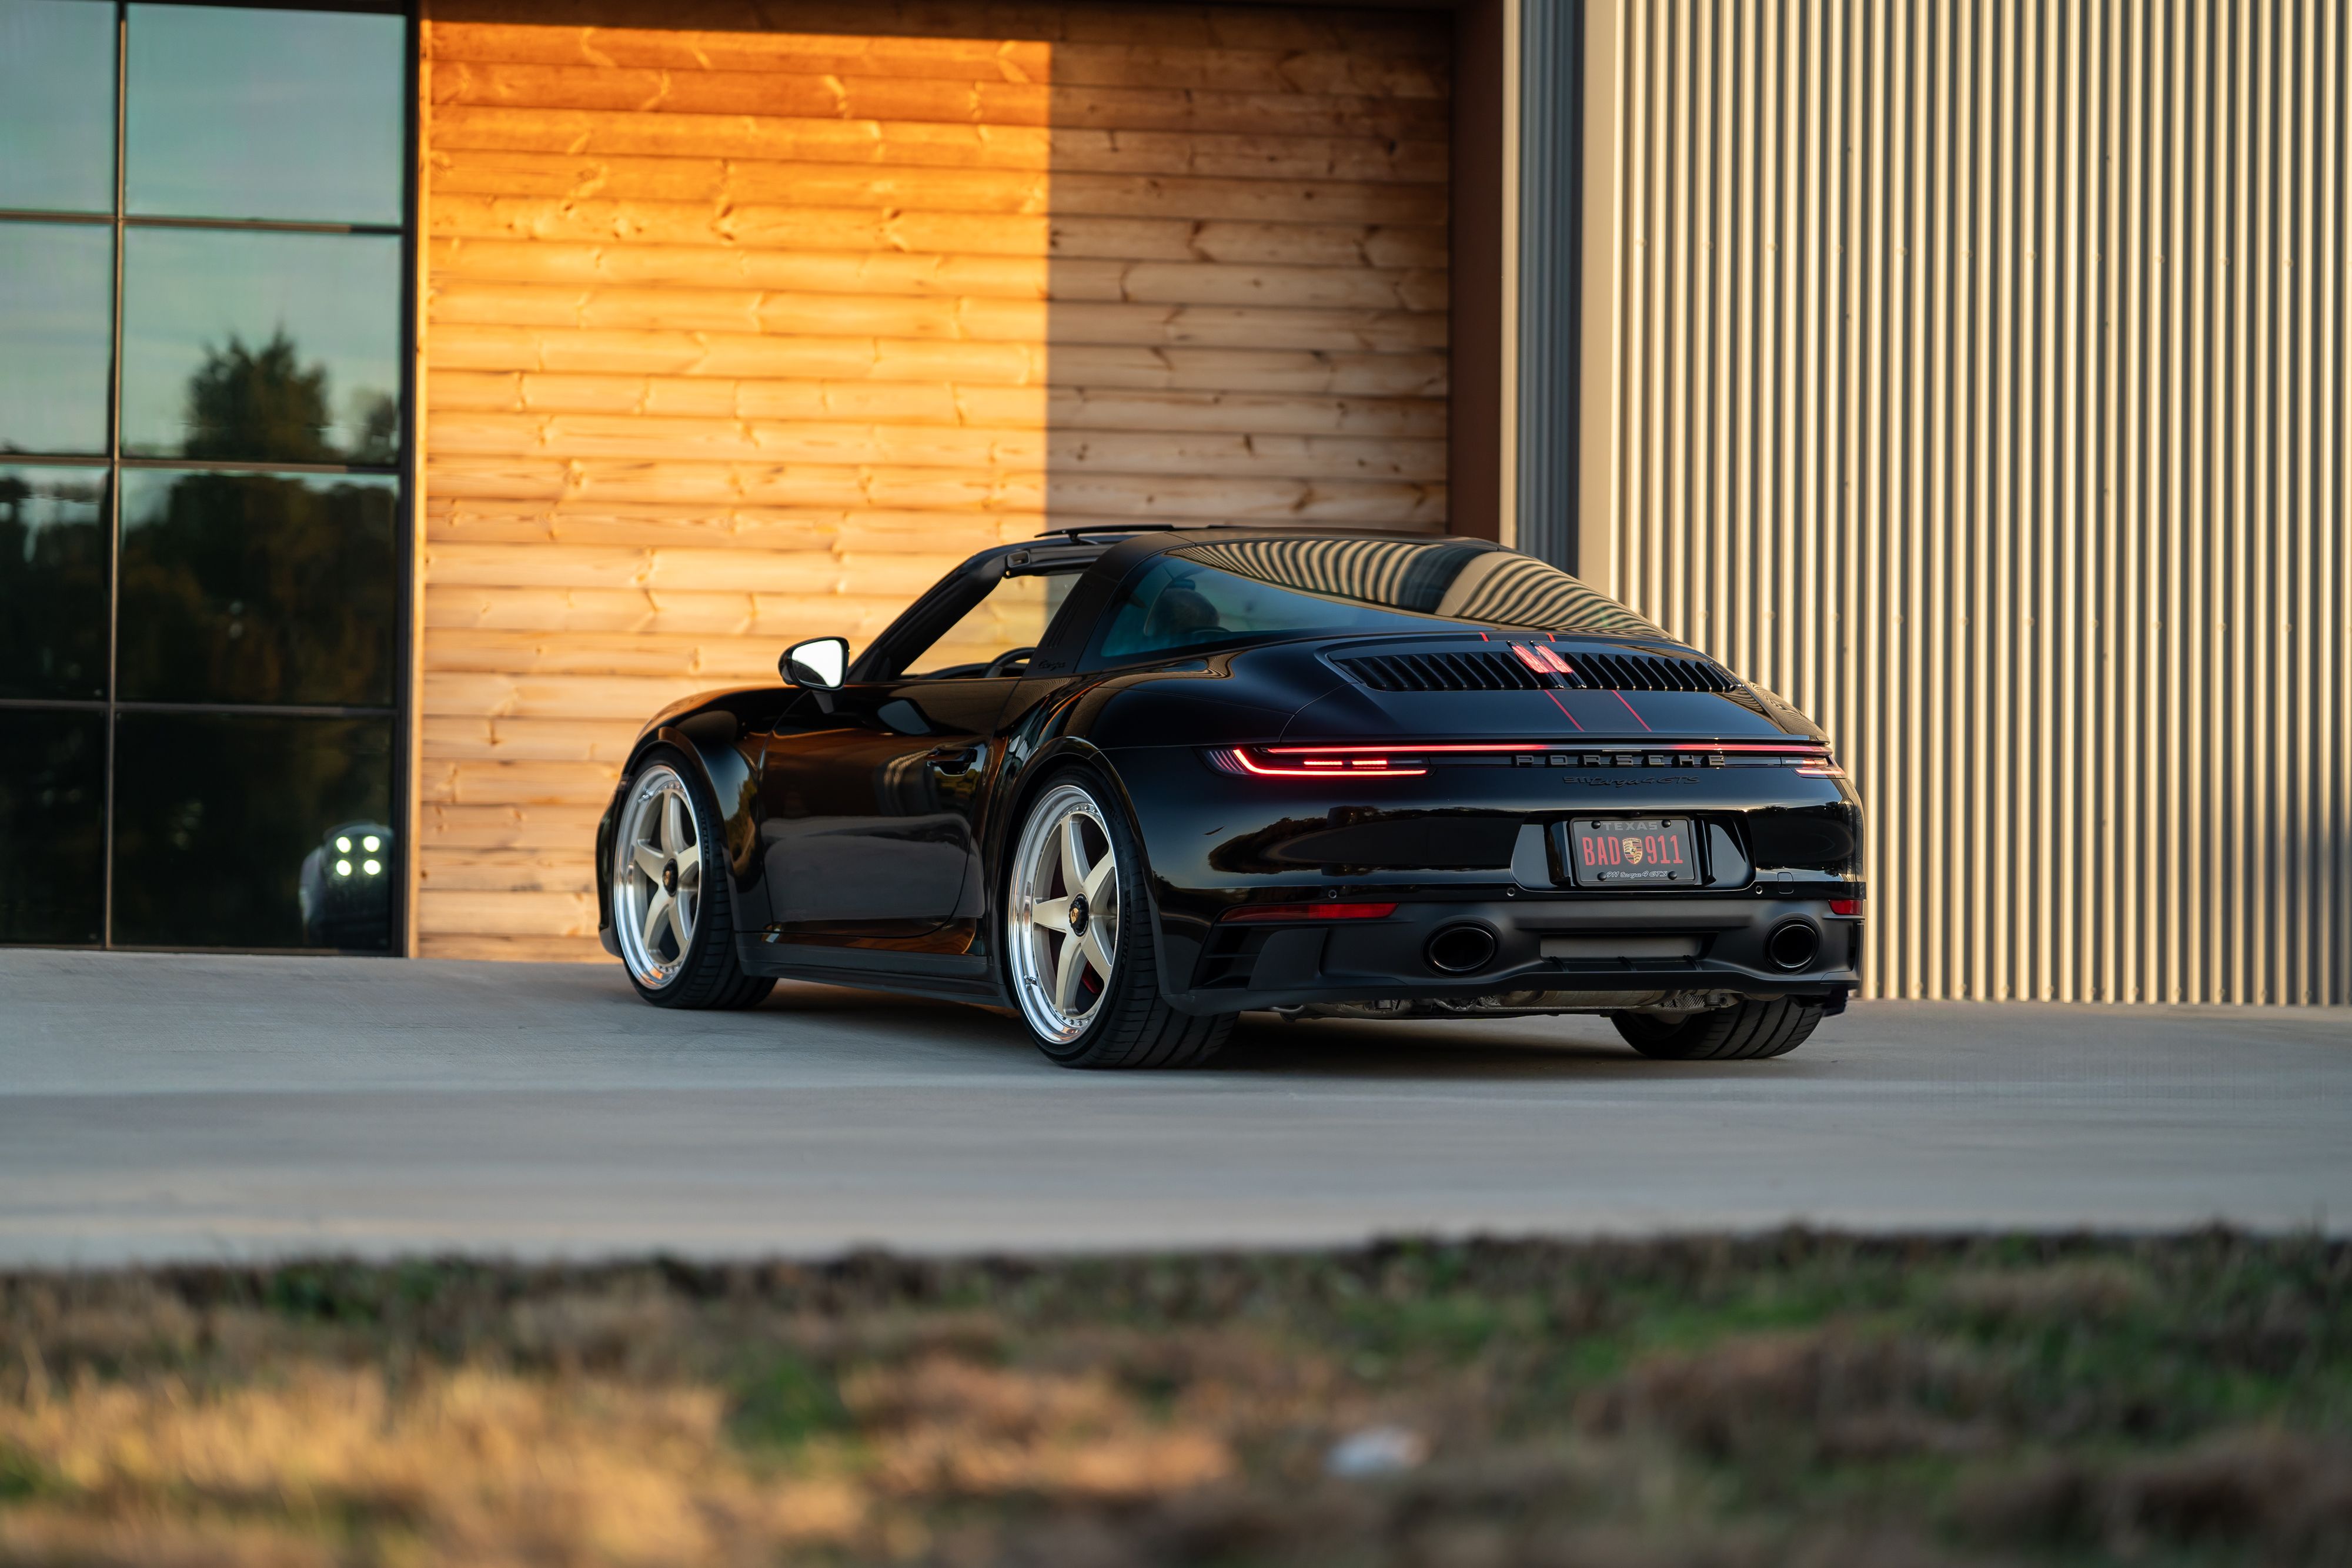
point(1975, 375)
point(734, 337)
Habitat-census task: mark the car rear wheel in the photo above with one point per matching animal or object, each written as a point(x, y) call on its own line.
point(670, 904)
point(1078, 955)
point(1751, 1029)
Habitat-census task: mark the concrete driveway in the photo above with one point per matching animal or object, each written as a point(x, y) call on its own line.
point(162, 1106)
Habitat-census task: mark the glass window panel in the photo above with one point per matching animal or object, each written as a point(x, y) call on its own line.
point(1014, 615)
point(53, 529)
point(257, 588)
point(216, 817)
point(57, 311)
point(57, 106)
point(52, 825)
point(259, 346)
point(293, 115)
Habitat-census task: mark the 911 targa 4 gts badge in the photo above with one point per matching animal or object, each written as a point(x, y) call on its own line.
point(1130, 784)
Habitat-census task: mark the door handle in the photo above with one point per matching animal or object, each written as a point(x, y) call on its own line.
point(956, 760)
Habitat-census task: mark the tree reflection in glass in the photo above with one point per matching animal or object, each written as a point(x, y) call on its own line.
point(242, 401)
point(53, 583)
point(249, 346)
point(257, 588)
point(52, 825)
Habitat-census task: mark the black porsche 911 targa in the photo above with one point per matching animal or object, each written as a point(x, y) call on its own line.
point(1132, 784)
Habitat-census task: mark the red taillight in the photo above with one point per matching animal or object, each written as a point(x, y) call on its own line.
point(1846, 906)
point(1325, 766)
point(1312, 912)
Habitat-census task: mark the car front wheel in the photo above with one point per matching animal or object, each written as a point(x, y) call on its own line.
point(670, 904)
point(1078, 953)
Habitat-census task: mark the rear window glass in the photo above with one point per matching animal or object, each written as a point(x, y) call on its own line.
point(1244, 590)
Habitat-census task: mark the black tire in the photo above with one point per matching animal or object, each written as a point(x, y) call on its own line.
point(711, 976)
point(1743, 1033)
point(1135, 1027)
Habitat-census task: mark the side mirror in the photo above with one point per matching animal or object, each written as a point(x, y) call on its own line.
point(820, 663)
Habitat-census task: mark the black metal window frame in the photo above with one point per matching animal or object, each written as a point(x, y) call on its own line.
point(114, 463)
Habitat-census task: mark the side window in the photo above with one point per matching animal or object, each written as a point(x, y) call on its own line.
point(1165, 609)
point(1014, 616)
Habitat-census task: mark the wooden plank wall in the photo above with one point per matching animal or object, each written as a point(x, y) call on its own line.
point(733, 337)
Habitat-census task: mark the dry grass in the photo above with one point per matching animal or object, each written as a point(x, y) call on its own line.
point(1799, 1399)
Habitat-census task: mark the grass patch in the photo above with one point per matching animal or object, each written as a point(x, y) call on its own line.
point(785, 1404)
point(1802, 1398)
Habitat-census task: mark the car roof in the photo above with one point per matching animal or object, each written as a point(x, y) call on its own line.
point(1177, 534)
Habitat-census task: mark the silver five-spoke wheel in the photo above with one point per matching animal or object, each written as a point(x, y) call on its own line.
point(657, 877)
point(1063, 915)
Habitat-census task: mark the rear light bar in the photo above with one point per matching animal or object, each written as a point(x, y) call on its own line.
point(1410, 761)
point(1311, 911)
point(1782, 748)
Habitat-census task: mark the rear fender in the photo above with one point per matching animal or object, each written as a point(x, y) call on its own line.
point(1022, 787)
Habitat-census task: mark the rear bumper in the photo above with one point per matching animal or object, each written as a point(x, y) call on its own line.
point(1226, 968)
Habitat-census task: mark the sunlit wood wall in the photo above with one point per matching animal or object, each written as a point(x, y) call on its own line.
point(732, 337)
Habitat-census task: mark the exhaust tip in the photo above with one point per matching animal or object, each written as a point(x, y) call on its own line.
point(1794, 944)
point(1460, 950)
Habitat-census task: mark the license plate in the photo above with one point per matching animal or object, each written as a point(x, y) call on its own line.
point(1652, 851)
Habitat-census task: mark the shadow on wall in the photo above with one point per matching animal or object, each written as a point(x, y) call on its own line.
point(1091, 263)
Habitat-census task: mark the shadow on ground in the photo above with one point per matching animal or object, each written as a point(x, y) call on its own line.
point(1410, 1049)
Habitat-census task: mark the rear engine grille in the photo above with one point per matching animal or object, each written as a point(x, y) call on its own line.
point(1496, 672)
point(1645, 673)
point(1442, 672)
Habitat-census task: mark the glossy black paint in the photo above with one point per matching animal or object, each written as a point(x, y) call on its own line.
point(867, 827)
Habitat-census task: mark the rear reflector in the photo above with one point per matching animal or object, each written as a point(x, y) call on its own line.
point(1846, 906)
point(1312, 912)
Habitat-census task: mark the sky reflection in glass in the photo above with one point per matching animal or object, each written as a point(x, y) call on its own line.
point(57, 106)
point(288, 115)
point(57, 289)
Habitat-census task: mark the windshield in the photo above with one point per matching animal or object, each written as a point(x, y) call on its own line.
point(1247, 591)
